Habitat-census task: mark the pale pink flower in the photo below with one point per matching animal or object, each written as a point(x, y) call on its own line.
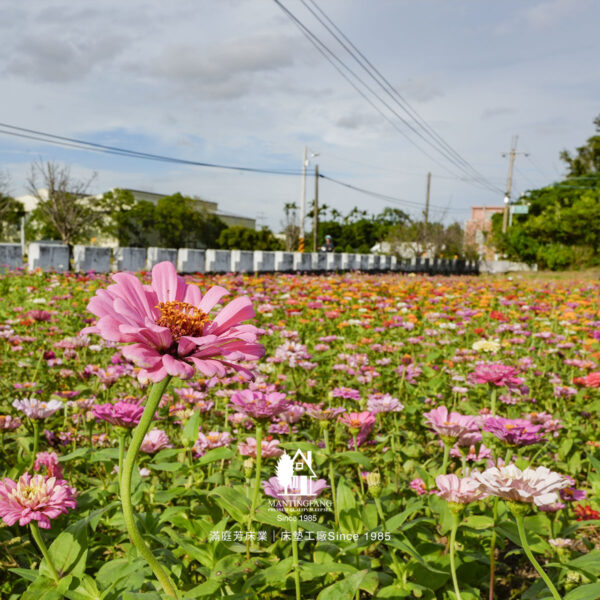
point(452, 425)
point(38, 498)
point(357, 421)
point(168, 327)
point(8, 423)
point(269, 448)
point(530, 485)
point(154, 441)
point(213, 439)
point(461, 491)
point(36, 409)
point(259, 405)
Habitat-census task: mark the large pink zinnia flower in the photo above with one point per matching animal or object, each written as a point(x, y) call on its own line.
point(121, 413)
point(38, 498)
point(461, 491)
point(258, 405)
point(168, 326)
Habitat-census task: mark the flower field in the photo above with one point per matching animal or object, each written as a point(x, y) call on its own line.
point(347, 436)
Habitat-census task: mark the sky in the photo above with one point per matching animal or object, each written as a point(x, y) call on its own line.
point(236, 82)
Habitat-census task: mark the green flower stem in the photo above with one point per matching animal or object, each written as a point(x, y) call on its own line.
point(259, 433)
point(360, 479)
point(380, 512)
point(125, 484)
point(36, 440)
point(396, 462)
point(445, 459)
point(455, 521)
point(536, 565)
point(122, 434)
point(295, 563)
point(493, 550)
point(331, 475)
point(493, 401)
point(37, 536)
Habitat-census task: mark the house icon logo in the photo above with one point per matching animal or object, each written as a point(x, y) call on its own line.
point(295, 474)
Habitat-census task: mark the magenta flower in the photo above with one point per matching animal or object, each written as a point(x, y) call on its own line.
point(213, 439)
point(572, 494)
point(269, 448)
point(384, 403)
point(344, 392)
point(516, 432)
point(154, 441)
point(418, 485)
point(36, 409)
point(38, 498)
point(496, 374)
point(259, 405)
point(122, 413)
point(168, 327)
point(451, 425)
point(461, 491)
point(49, 460)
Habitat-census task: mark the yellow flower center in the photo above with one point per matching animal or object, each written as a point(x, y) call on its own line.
point(182, 319)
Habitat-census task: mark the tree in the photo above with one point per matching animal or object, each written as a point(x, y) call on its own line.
point(11, 211)
point(586, 160)
point(244, 238)
point(63, 211)
point(291, 229)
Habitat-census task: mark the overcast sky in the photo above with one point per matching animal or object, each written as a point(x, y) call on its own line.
point(235, 82)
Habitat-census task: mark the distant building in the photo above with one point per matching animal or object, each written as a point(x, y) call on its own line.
point(30, 202)
point(478, 229)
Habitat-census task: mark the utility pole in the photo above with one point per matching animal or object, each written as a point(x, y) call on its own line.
point(303, 202)
point(316, 213)
point(512, 155)
point(426, 213)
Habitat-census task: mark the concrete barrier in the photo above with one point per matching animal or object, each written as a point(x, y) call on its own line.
point(218, 261)
point(242, 261)
point(348, 261)
point(333, 261)
point(385, 262)
point(302, 261)
point(264, 261)
point(91, 258)
point(284, 261)
point(191, 260)
point(129, 259)
point(319, 261)
point(156, 255)
point(373, 262)
point(11, 256)
point(48, 257)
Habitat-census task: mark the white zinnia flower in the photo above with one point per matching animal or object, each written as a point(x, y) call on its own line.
point(530, 485)
point(486, 346)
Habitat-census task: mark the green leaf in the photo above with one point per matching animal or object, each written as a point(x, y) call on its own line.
point(354, 458)
point(396, 521)
point(590, 591)
point(349, 518)
point(222, 453)
point(346, 588)
point(589, 562)
point(166, 466)
point(68, 553)
point(478, 522)
point(204, 589)
point(75, 454)
point(233, 501)
point(191, 429)
point(28, 574)
point(311, 570)
point(87, 590)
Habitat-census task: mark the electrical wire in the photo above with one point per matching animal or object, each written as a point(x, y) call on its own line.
point(331, 56)
point(391, 91)
point(59, 140)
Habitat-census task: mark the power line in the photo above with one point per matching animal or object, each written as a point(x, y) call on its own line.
point(331, 56)
point(59, 140)
point(391, 91)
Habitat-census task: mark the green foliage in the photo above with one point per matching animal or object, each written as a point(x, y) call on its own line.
point(245, 238)
point(11, 212)
point(562, 228)
point(174, 222)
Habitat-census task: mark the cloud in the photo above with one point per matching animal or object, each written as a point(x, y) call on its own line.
point(549, 13)
point(358, 120)
point(419, 90)
point(498, 111)
point(58, 60)
point(227, 71)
